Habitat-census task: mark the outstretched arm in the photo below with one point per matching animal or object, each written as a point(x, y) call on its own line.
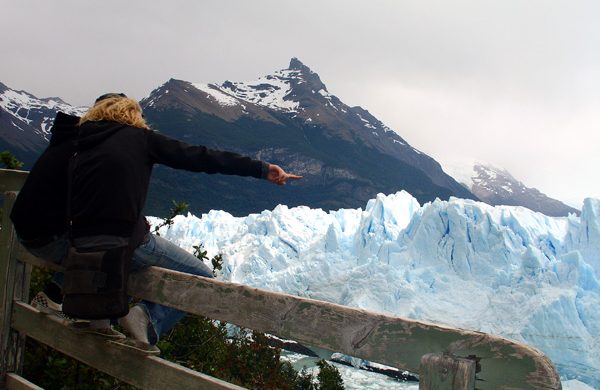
point(198, 158)
point(278, 176)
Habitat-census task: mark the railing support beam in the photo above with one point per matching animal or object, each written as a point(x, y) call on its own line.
point(445, 372)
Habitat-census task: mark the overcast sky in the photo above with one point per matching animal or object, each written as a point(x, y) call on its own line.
point(514, 83)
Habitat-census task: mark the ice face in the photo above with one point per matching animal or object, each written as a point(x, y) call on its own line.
point(502, 270)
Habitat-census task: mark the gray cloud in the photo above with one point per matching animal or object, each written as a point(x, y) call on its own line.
point(511, 82)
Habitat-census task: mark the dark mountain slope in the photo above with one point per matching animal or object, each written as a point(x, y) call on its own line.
point(345, 154)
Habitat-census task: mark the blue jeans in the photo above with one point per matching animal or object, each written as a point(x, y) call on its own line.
point(162, 253)
point(155, 250)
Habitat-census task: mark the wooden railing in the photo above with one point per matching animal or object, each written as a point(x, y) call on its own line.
point(444, 357)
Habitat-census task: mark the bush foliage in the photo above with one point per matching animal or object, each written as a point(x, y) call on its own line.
point(9, 161)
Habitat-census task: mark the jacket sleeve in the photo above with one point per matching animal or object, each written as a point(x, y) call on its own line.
point(197, 158)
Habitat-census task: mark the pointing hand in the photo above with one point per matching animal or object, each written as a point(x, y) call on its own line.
point(278, 176)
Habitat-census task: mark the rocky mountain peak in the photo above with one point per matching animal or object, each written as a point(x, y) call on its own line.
point(26, 120)
point(26, 109)
point(296, 64)
point(497, 186)
point(305, 77)
point(488, 176)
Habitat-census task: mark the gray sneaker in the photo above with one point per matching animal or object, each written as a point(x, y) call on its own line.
point(137, 325)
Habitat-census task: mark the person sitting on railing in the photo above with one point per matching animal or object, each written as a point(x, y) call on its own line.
point(115, 152)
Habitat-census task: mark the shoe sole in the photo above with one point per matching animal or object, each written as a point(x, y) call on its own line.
point(84, 328)
point(43, 309)
point(135, 345)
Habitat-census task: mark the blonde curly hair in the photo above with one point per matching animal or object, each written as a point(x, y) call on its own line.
point(117, 109)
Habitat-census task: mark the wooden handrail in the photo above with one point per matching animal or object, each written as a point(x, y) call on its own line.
point(393, 341)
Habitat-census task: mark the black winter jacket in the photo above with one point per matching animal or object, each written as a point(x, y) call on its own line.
point(40, 209)
point(111, 174)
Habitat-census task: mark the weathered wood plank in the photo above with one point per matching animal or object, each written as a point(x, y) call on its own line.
point(12, 279)
point(444, 372)
point(16, 382)
point(146, 372)
point(21, 293)
point(12, 180)
point(379, 338)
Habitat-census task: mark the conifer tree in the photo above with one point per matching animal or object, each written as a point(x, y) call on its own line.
point(329, 377)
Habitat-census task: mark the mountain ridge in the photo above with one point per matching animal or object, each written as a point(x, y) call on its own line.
point(287, 117)
point(497, 186)
point(25, 121)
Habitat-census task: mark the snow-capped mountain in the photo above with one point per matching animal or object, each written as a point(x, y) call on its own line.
point(25, 121)
point(298, 92)
point(290, 118)
point(503, 270)
point(497, 186)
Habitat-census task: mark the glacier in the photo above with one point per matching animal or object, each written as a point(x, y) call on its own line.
point(503, 270)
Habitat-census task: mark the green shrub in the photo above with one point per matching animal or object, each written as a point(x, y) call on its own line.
point(9, 160)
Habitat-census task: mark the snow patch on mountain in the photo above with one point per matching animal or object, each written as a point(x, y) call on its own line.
point(502, 270)
point(213, 92)
point(462, 172)
point(36, 112)
point(366, 122)
point(272, 91)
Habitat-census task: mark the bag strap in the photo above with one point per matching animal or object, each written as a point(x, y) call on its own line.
point(70, 172)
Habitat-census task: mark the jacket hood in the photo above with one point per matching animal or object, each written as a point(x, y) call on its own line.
point(93, 133)
point(65, 127)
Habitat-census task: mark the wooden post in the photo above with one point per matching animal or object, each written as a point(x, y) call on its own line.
point(445, 372)
point(14, 280)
